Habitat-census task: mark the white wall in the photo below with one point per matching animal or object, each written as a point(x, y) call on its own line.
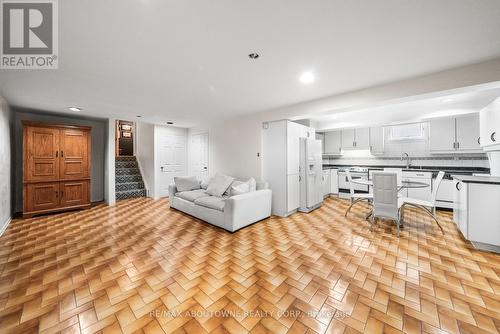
point(234, 143)
point(5, 165)
point(144, 145)
point(109, 162)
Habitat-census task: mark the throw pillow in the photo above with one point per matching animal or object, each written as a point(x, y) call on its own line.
point(186, 183)
point(240, 189)
point(219, 184)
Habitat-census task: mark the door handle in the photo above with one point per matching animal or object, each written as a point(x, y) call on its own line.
point(205, 168)
point(62, 193)
point(479, 140)
point(57, 195)
point(493, 136)
point(161, 168)
point(57, 154)
point(62, 154)
point(457, 186)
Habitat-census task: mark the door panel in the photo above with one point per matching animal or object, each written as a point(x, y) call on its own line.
point(74, 159)
point(41, 196)
point(41, 154)
point(199, 156)
point(362, 138)
point(74, 193)
point(171, 159)
point(293, 194)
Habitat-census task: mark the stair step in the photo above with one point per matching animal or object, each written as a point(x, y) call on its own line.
point(127, 171)
point(130, 194)
point(129, 186)
point(128, 178)
point(126, 164)
point(132, 158)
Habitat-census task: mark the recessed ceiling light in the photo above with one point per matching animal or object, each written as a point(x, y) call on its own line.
point(449, 99)
point(75, 109)
point(170, 123)
point(307, 78)
point(253, 55)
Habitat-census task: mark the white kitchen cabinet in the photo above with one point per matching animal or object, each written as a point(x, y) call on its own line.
point(333, 142)
point(334, 181)
point(358, 139)
point(455, 135)
point(442, 135)
point(490, 125)
point(476, 213)
point(280, 163)
point(293, 191)
point(326, 182)
point(362, 138)
point(348, 139)
point(377, 140)
point(460, 205)
point(467, 130)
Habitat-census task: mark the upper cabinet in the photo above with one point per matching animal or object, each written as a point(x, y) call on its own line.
point(455, 135)
point(332, 142)
point(377, 140)
point(467, 129)
point(358, 139)
point(348, 139)
point(490, 125)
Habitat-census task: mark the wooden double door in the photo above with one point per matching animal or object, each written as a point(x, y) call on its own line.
point(56, 165)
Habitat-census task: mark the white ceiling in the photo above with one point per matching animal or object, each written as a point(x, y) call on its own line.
point(187, 61)
point(468, 100)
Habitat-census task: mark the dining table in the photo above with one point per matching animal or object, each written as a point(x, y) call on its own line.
point(405, 184)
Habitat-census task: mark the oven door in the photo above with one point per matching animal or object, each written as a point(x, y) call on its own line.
point(344, 182)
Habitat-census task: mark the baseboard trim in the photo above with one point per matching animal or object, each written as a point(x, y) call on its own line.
point(5, 225)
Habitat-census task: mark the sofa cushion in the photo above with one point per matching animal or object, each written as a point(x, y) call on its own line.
point(192, 195)
point(212, 202)
point(186, 183)
point(219, 184)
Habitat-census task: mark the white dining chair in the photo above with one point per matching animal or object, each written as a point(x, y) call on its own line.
point(427, 206)
point(385, 197)
point(356, 197)
point(399, 173)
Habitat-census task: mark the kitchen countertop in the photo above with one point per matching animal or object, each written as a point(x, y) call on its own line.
point(449, 170)
point(478, 179)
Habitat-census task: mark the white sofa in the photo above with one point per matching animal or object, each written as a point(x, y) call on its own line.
point(231, 214)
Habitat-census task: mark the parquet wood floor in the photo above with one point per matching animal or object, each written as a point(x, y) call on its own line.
point(142, 267)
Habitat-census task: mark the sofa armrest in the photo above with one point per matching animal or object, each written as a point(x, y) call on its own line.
point(245, 209)
point(172, 189)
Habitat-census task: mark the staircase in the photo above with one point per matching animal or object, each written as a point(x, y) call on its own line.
point(128, 179)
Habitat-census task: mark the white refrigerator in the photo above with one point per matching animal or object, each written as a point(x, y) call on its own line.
point(311, 174)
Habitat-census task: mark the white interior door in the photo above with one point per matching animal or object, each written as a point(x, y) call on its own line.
point(199, 155)
point(171, 159)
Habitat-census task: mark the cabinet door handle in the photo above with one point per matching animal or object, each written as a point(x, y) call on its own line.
point(458, 145)
point(62, 154)
point(493, 136)
point(479, 140)
point(62, 193)
point(57, 154)
point(57, 195)
point(457, 185)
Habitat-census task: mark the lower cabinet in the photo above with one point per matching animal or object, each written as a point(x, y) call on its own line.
point(74, 193)
point(476, 213)
point(41, 196)
point(50, 196)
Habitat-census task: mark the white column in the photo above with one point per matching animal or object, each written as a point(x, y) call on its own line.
point(109, 163)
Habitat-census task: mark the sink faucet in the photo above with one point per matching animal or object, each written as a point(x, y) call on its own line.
point(408, 160)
